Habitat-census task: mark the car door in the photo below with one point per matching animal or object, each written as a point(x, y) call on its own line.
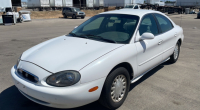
point(168, 34)
point(63, 10)
point(67, 11)
point(149, 51)
point(71, 11)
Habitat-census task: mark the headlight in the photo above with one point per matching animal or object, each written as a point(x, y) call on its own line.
point(18, 60)
point(64, 78)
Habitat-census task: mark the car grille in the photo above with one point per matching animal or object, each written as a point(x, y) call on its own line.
point(27, 75)
point(81, 13)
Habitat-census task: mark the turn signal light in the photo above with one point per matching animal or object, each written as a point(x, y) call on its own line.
point(93, 89)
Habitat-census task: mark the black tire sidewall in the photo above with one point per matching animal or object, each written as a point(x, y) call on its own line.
point(74, 16)
point(65, 16)
point(107, 88)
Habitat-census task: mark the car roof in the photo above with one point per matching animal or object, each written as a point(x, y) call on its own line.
point(137, 12)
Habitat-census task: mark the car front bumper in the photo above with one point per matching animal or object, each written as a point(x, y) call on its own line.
point(59, 97)
point(80, 15)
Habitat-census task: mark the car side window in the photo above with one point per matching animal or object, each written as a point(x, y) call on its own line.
point(148, 24)
point(67, 9)
point(136, 7)
point(165, 23)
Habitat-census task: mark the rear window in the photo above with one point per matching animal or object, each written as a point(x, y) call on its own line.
point(165, 23)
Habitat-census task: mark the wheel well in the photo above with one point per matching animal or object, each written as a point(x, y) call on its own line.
point(180, 41)
point(127, 66)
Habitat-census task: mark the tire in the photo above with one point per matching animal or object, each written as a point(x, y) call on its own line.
point(82, 17)
point(65, 16)
point(174, 57)
point(74, 16)
point(107, 91)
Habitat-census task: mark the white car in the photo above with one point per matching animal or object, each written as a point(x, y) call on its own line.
point(98, 60)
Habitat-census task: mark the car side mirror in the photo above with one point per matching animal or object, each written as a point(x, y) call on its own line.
point(147, 36)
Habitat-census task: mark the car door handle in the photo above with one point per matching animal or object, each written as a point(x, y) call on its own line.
point(160, 42)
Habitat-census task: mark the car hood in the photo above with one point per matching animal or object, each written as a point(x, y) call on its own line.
point(67, 53)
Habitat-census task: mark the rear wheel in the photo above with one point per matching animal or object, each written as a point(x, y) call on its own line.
point(74, 16)
point(174, 57)
point(115, 89)
point(65, 16)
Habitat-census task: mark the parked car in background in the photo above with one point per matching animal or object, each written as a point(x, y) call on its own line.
point(72, 12)
point(98, 60)
point(132, 6)
point(198, 15)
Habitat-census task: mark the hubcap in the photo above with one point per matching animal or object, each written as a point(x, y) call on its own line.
point(176, 52)
point(118, 88)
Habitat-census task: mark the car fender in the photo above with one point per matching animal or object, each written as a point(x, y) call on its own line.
point(102, 66)
point(180, 34)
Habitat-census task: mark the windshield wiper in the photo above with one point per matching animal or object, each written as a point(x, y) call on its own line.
point(108, 40)
point(75, 35)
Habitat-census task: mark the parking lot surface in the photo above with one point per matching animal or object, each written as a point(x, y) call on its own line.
point(167, 87)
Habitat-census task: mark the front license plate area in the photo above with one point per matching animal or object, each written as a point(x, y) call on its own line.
point(21, 87)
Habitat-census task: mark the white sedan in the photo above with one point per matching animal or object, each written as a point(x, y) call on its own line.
point(98, 60)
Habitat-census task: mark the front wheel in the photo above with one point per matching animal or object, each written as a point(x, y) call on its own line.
point(82, 17)
point(115, 89)
point(174, 57)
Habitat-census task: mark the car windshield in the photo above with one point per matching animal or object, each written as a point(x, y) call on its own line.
point(129, 6)
point(77, 9)
point(113, 28)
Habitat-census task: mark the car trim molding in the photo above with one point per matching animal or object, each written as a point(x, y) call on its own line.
point(150, 59)
point(155, 56)
point(168, 49)
point(138, 77)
